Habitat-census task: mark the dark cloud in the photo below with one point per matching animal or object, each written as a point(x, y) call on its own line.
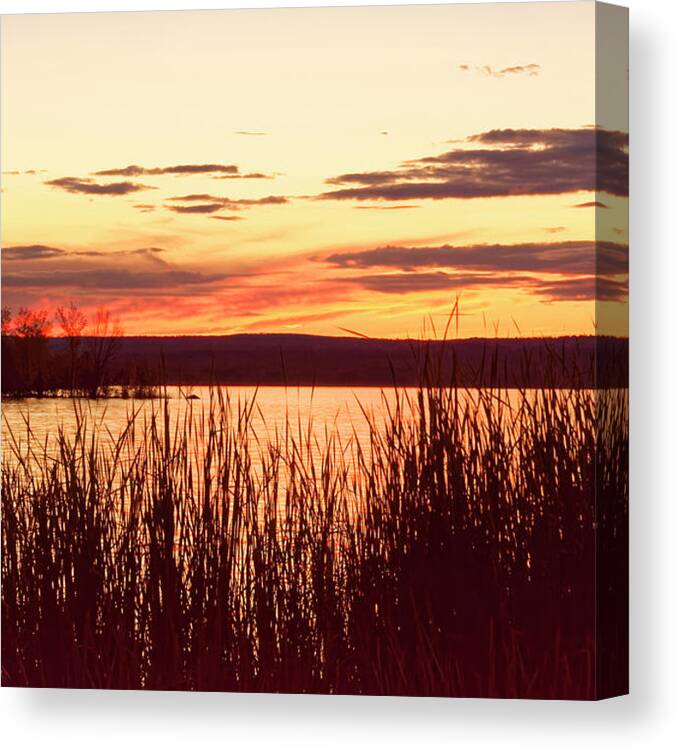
point(31, 252)
point(196, 197)
point(227, 218)
point(209, 204)
point(362, 178)
point(405, 283)
point(37, 268)
point(22, 253)
point(501, 163)
point(197, 208)
point(562, 290)
point(134, 170)
point(552, 270)
point(579, 138)
point(527, 70)
point(109, 278)
point(267, 200)
point(90, 187)
point(591, 204)
point(144, 207)
point(587, 288)
point(571, 257)
point(215, 171)
point(247, 176)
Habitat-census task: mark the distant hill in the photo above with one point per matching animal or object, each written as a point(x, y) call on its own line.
point(292, 359)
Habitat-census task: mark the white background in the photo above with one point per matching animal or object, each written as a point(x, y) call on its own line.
point(648, 717)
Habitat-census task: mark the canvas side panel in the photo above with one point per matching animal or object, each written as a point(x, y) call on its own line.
point(612, 279)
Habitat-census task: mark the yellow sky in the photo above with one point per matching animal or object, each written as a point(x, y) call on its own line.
point(299, 96)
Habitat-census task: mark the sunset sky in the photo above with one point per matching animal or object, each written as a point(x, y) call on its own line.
point(313, 171)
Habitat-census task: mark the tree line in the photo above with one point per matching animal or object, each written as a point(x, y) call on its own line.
point(65, 354)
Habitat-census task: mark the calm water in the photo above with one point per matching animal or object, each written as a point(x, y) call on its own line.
point(339, 410)
point(345, 415)
point(320, 412)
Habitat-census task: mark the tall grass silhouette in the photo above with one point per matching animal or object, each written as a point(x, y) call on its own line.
point(457, 552)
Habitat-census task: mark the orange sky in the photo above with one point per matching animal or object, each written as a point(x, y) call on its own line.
point(313, 170)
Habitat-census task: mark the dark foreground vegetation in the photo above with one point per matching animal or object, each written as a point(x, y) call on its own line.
point(474, 548)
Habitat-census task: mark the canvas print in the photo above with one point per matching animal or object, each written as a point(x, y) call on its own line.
point(315, 350)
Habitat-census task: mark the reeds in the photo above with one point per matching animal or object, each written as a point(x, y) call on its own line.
point(453, 554)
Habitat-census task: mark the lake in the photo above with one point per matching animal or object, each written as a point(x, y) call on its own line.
point(340, 410)
point(349, 416)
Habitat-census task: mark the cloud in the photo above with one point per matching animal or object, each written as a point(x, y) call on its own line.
point(404, 283)
point(530, 70)
point(90, 187)
point(499, 163)
point(209, 204)
point(31, 252)
point(227, 218)
point(571, 257)
point(198, 208)
point(587, 288)
point(552, 290)
point(554, 271)
point(111, 278)
point(22, 253)
point(591, 204)
point(554, 230)
point(144, 269)
point(249, 132)
point(363, 178)
point(134, 170)
point(145, 208)
point(248, 176)
point(267, 200)
point(196, 197)
point(215, 171)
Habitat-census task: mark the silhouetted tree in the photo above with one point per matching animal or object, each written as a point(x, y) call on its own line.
point(103, 344)
point(85, 365)
point(30, 332)
point(8, 354)
point(72, 322)
point(6, 321)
